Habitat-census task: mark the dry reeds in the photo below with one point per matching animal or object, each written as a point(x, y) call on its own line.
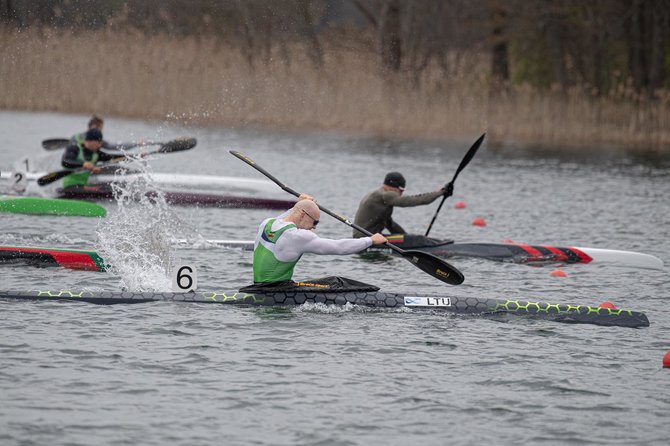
point(202, 80)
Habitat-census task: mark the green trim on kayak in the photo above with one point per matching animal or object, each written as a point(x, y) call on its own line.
point(102, 266)
point(99, 262)
point(50, 206)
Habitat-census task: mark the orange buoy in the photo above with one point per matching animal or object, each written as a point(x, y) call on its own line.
point(558, 273)
point(479, 222)
point(666, 360)
point(459, 205)
point(607, 304)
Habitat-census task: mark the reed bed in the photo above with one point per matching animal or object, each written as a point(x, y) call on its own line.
point(200, 80)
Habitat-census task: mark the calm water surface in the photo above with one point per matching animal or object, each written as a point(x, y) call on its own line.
point(161, 373)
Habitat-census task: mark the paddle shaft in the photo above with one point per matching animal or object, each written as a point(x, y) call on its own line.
point(464, 162)
point(62, 143)
point(176, 145)
point(428, 263)
point(55, 143)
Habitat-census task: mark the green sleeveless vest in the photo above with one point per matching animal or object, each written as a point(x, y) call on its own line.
point(267, 268)
point(79, 178)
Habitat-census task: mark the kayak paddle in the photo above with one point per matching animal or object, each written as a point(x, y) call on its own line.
point(55, 143)
point(426, 262)
point(464, 162)
point(62, 143)
point(176, 145)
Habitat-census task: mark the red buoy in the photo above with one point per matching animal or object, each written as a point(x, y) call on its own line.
point(459, 205)
point(666, 360)
point(607, 304)
point(479, 222)
point(558, 273)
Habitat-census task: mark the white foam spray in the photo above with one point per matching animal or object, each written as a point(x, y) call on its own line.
point(136, 240)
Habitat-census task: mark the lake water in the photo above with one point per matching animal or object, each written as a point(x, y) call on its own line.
point(164, 373)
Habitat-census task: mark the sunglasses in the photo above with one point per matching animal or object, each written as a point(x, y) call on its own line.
point(316, 222)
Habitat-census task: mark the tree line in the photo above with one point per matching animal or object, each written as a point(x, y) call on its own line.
point(596, 45)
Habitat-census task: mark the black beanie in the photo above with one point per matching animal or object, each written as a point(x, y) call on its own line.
point(94, 135)
point(395, 179)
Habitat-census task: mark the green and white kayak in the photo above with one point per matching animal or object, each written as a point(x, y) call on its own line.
point(50, 206)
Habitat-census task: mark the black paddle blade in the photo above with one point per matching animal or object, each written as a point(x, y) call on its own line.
point(53, 176)
point(434, 266)
point(55, 143)
point(468, 156)
point(177, 145)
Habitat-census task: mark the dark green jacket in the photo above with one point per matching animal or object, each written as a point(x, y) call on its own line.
point(375, 210)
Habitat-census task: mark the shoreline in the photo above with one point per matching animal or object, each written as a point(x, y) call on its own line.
point(211, 84)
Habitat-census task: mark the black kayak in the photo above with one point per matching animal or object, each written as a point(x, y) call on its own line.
point(501, 252)
point(370, 299)
point(182, 198)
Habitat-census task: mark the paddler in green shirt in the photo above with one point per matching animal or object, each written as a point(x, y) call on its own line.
point(84, 154)
point(376, 208)
point(281, 241)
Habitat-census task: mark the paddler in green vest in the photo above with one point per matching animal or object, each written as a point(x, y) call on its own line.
point(281, 241)
point(84, 154)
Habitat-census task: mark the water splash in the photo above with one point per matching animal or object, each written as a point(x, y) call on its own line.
point(136, 240)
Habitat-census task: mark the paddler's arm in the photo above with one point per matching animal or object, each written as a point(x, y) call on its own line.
point(104, 156)
point(122, 145)
point(295, 243)
point(395, 199)
point(394, 228)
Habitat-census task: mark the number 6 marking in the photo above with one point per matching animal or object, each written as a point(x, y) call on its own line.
point(185, 279)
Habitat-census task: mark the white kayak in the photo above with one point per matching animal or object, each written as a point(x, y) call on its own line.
point(169, 179)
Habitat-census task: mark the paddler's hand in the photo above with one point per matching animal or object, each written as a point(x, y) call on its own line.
point(378, 239)
point(448, 190)
point(306, 197)
point(88, 166)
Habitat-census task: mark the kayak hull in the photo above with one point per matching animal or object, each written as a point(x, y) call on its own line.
point(185, 199)
point(50, 206)
point(519, 253)
point(500, 252)
point(51, 257)
point(373, 299)
point(113, 173)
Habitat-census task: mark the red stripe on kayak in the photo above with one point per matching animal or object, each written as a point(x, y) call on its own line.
point(560, 255)
point(583, 257)
point(72, 260)
point(534, 253)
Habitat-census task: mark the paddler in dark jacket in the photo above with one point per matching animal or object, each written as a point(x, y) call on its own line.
point(84, 154)
point(375, 210)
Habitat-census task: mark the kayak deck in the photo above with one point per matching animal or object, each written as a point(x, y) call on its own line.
point(450, 304)
point(50, 206)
